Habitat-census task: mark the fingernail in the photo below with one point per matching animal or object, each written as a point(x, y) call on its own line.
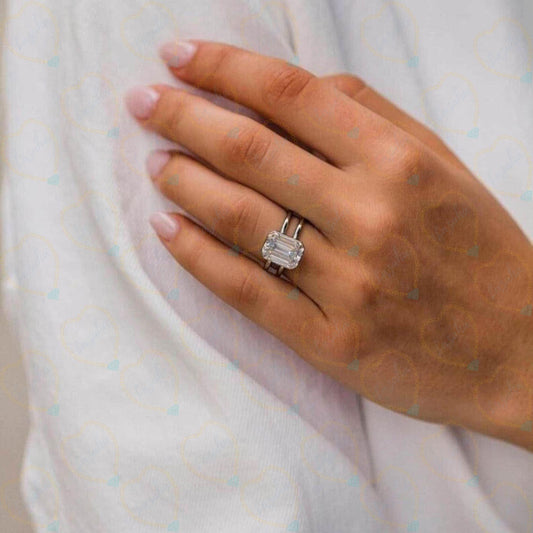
point(156, 161)
point(164, 225)
point(177, 53)
point(141, 101)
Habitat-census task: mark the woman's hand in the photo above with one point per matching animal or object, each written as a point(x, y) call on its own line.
point(415, 287)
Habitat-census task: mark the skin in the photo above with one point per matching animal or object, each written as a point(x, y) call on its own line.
point(415, 288)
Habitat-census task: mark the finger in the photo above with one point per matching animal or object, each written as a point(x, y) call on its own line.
point(315, 112)
point(357, 89)
point(272, 303)
point(247, 152)
point(240, 216)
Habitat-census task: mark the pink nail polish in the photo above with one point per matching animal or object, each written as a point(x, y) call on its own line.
point(156, 161)
point(164, 225)
point(177, 54)
point(141, 101)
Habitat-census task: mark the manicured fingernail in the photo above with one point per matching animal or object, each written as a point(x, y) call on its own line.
point(164, 225)
point(141, 101)
point(156, 161)
point(177, 53)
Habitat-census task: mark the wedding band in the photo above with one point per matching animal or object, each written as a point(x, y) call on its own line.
point(281, 249)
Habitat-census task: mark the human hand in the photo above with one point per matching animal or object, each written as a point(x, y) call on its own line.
point(415, 287)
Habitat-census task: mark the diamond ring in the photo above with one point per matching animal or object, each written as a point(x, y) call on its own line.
point(281, 249)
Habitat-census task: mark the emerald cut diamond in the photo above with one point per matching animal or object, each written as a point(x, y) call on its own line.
point(282, 250)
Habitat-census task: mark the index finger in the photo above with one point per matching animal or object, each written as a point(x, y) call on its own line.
point(315, 112)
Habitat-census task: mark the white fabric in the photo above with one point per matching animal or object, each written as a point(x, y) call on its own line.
point(154, 405)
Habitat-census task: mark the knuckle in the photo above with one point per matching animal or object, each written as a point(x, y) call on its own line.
point(219, 66)
point(241, 216)
point(381, 219)
point(249, 291)
point(193, 256)
point(284, 83)
point(400, 157)
point(172, 112)
point(409, 159)
point(392, 153)
point(250, 147)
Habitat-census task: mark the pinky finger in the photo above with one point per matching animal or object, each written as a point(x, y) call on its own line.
point(271, 302)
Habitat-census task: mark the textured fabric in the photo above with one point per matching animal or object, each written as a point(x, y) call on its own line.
point(156, 406)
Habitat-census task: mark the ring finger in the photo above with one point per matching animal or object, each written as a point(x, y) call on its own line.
point(240, 216)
